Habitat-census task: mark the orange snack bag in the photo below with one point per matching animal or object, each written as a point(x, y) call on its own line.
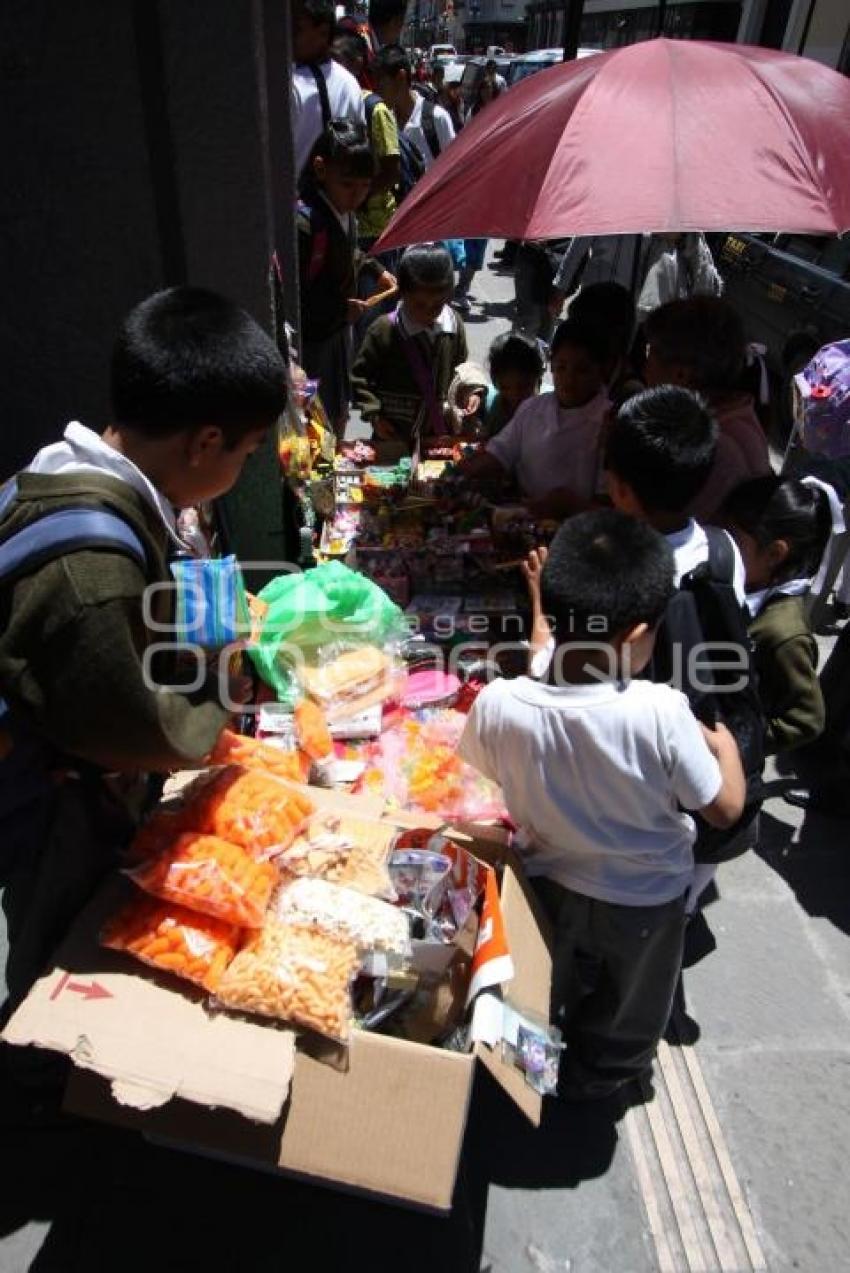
point(236, 749)
point(311, 729)
point(258, 812)
point(212, 876)
point(174, 939)
point(296, 973)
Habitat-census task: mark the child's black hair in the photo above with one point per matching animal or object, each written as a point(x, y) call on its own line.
point(703, 334)
point(770, 508)
point(662, 443)
point(425, 265)
point(586, 336)
point(343, 145)
point(605, 573)
point(515, 352)
point(390, 60)
point(381, 11)
point(187, 357)
point(320, 12)
point(610, 307)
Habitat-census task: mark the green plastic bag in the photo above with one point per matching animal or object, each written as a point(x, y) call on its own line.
point(319, 607)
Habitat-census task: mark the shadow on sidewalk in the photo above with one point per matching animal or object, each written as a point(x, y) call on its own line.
point(115, 1201)
point(816, 866)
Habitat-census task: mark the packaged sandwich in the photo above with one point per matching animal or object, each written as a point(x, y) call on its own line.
point(349, 680)
point(296, 973)
point(174, 939)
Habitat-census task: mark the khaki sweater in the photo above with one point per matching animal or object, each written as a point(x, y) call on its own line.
point(73, 636)
point(383, 383)
point(786, 659)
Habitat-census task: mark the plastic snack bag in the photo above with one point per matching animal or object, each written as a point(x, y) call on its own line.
point(258, 811)
point(237, 749)
point(311, 729)
point(421, 879)
point(173, 939)
point(370, 923)
point(212, 876)
point(211, 608)
point(344, 850)
point(298, 974)
point(535, 1049)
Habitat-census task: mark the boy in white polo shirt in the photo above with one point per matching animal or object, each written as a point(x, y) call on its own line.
point(553, 445)
point(598, 771)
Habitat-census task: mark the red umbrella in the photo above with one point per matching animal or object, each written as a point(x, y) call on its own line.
point(665, 135)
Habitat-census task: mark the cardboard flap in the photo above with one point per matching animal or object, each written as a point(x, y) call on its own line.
point(109, 1014)
point(528, 990)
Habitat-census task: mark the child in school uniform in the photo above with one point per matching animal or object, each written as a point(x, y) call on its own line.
point(782, 527)
point(599, 771)
point(336, 181)
point(87, 710)
point(552, 447)
point(516, 370)
point(403, 370)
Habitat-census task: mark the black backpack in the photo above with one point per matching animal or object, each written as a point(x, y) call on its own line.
point(411, 162)
point(705, 611)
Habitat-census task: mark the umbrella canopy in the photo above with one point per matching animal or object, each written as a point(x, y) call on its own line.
point(667, 135)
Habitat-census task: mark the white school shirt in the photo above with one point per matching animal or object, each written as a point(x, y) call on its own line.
point(547, 446)
point(443, 127)
point(594, 776)
point(344, 96)
point(690, 549)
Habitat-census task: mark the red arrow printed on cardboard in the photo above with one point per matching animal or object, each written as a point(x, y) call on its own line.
point(93, 991)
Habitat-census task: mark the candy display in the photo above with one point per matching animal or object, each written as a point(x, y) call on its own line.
point(296, 973)
point(257, 811)
point(174, 939)
point(370, 923)
point(211, 876)
point(416, 765)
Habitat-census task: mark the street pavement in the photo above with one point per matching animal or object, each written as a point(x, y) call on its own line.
point(735, 1163)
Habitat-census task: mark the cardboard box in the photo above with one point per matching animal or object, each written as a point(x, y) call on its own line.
point(389, 1121)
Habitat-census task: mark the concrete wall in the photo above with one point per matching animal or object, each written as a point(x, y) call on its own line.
point(145, 143)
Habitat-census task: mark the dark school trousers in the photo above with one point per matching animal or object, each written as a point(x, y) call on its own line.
point(614, 972)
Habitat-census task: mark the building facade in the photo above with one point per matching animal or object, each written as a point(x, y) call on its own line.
point(471, 25)
point(819, 29)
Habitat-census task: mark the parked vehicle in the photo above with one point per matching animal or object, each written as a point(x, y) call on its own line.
point(442, 50)
point(793, 293)
point(530, 63)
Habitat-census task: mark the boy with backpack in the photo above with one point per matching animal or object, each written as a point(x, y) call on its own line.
point(660, 452)
point(88, 678)
point(423, 125)
point(598, 772)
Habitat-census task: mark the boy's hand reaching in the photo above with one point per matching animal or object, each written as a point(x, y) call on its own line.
point(532, 568)
point(541, 633)
point(355, 310)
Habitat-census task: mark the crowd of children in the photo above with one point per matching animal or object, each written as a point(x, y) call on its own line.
point(629, 770)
